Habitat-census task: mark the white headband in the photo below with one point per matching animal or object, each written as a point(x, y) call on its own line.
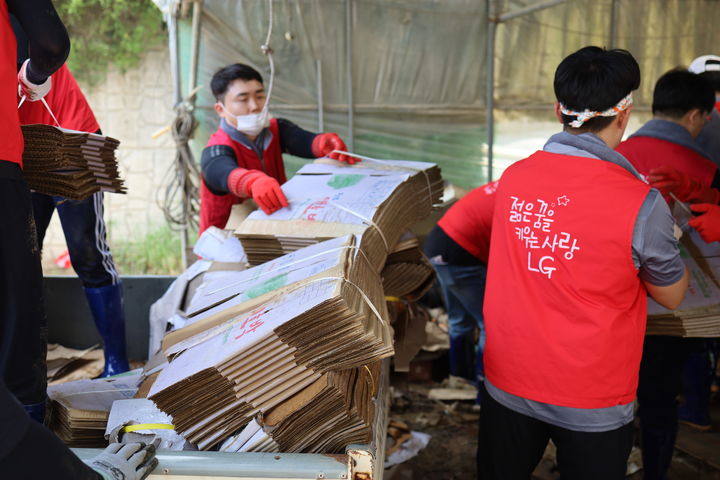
point(586, 114)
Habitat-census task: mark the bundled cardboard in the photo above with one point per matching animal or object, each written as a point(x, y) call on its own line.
point(68, 163)
point(334, 411)
point(79, 410)
point(699, 313)
point(407, 272)
point(376, 202)
point(251, 354)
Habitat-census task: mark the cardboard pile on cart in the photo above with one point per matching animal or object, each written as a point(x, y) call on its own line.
point(699, 313)
point(68, 163)
point(375, 202)
point(279, 328)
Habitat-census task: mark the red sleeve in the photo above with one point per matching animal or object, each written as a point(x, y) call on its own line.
point(468, 222)
point(66, 101)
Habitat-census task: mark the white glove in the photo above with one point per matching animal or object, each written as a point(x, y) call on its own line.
point(132, 461)
point(28, 89)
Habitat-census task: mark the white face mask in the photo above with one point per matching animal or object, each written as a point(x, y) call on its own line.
point(251, 124)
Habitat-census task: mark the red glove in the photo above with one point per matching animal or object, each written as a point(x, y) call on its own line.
point(708, 224)
point(668, 179)
point(324, 143)
point(261, 187)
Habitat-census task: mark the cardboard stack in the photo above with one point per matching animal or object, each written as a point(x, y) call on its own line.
point(79, 410)
point(281, 327)
point(376, 202)
point(699, 313)
point(68, 163)
point(407, 272)
point(334, 411)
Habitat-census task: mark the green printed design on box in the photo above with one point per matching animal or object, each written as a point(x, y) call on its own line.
point(344, 180)
point(267, 286)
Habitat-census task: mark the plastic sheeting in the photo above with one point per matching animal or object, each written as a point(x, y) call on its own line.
point(418, 66)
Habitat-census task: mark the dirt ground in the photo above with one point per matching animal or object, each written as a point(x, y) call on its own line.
point(453, 426)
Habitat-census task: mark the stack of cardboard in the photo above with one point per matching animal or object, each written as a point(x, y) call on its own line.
point(407, 272)
point(699, 313)
point(243, 358)
point(71, 164)
point(375, 202)
point(79, 410)
point(334, 411)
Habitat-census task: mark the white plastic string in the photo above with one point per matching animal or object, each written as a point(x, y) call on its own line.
point(394, 167)
point(364, 219)
point(24, 97)
point(265, 47)
point(287, 265)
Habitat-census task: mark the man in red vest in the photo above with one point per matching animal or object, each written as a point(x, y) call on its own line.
point(82, 220)
point(243, 158)
point(458, 249)
point(665, 149)
point(578, 241)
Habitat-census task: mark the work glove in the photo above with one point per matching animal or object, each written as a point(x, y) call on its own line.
point(686, 189)
point(707, 224)
point(259, 186)
point(324, 143)
point(28, 89)
point(132, 461)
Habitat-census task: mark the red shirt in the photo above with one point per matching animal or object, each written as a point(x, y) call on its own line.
point(66, 101)
point(215, 209)
point(469, 220)
point(565, 310)
point(11, 146)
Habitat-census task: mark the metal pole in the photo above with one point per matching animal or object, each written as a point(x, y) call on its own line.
point(320, 99)
point(349, 8)
point(174, 54)
point(614, 16)
point(490, 86)
point(195, 48)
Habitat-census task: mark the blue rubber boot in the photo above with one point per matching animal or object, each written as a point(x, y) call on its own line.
point(106, 305)
point(36, 411)
point(462, 357)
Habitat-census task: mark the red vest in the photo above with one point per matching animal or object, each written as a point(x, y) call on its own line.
point(646, 153)
point(11, 146)
point(469, 220)
point(67, 103)
point(215, 209)
point(565, 309)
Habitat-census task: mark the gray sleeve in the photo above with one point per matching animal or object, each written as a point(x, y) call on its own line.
point(654, 248)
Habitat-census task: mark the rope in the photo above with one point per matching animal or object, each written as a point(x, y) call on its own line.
point(180, 199)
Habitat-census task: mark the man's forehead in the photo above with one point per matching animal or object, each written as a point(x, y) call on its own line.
point(240, 87)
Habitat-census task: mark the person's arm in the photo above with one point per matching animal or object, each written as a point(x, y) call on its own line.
point(669, 296)
point(222, 175)
point(48, 41)
point(656, 253)
point(301, 143)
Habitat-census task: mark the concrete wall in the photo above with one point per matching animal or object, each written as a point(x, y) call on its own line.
point(130, 106)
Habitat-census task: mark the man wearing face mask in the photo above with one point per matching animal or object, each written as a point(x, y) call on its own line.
point(243, 158)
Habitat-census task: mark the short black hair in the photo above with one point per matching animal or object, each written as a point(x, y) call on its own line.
point(596, 79)
point(679, 91)
point(226, 75)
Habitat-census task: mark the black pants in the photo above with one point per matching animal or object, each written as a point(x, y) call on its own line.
point(661, 372)
point(511, 445)
point(23, 326)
